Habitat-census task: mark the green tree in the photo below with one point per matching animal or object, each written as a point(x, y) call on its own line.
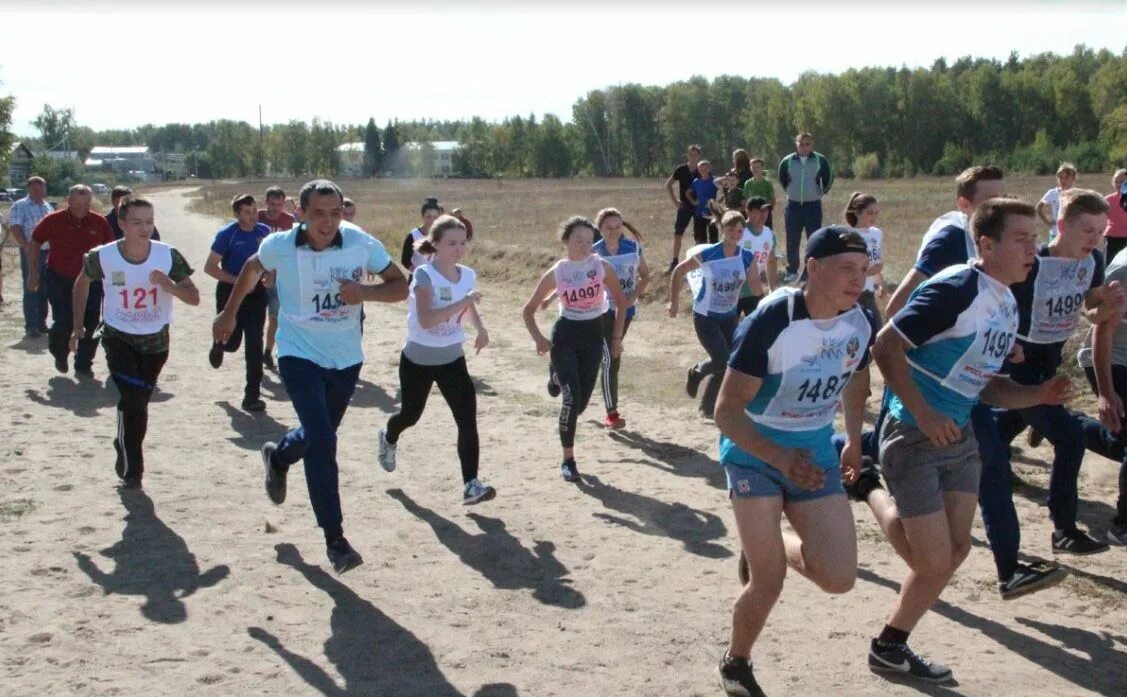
point(373, 153)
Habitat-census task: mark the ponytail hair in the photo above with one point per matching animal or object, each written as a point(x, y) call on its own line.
point(429, 244)
point(858, 202)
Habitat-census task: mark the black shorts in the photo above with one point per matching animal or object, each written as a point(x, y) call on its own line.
point(684, 216)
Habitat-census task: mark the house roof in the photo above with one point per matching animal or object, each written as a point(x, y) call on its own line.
point(119, 150)
point(20, 146)
point(350, 147)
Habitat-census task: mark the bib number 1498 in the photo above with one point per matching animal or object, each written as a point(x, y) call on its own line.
point(328, 301)
point(141, 297)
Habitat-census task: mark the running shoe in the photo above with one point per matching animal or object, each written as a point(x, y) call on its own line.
point(1030, 578)
point(737, 679)
point(614, 421)
point(1117, 535)
point(1076, 541)
point(342, 556)
point(569, 470)
point(901, 660)
point(386, 454)
point(215, 355)
point(61, 364)
point(867, 480)
point(692, 382)
point(268, 360)
point(553, 383)
point(476, 492)
point(275, 478)
point(255, 404)
point(32, 334)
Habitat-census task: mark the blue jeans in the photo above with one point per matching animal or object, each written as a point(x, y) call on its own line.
point(800, 216)
point(60, 294)
point(34, 301)
point(320, 397)
point(996, 492)
point(1103, 442)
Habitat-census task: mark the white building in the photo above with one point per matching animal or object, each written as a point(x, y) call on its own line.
point(135, 160)
point(350, 159)
point(443, 156)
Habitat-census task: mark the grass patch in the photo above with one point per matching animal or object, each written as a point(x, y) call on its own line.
point(13, 509)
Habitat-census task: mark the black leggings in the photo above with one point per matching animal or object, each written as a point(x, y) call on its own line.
point(715, 335)
point(135, 375)
point(577, 350)
point(610, 363)
point(457, 389)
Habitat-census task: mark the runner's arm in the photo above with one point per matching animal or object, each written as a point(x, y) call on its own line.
point(1004, 392)
point(853, 405)
point(643, 277)
point(736, 392)
point(546, 285)
point(889, 352)
point(621, 304)
point(1044, 212)
point(669, 189)
point(676, 281)
point(1104, 303)
point(211, 268)
point(392, 290)
point(903, 290)
point(424, 304)
point(78, 301)
point(184, 290)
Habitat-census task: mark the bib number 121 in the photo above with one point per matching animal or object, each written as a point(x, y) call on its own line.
point(141, 297)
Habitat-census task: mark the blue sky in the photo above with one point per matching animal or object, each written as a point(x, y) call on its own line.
point(199, 62)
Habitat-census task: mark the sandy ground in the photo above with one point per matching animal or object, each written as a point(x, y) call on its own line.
point(621, 586)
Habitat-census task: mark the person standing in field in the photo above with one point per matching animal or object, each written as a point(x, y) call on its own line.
point(318, 266)
point(1116, 233)
point(941, 355)
point(1048, 208)
point(142, 279)
point(759, 185)
point(275, 217)
point(71, 233)
point(741, 166)
point(625, 255)
point(683, 176)
point(582, 282)
point(724, 270)
point(410, 257)
point(803, 353)
point(700, 194)
point(443, 294)
point(230, 250)
point(861, 214)
point(806, 177)
point(23, 216)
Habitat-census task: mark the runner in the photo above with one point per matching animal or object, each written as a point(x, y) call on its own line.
point(633, 275)
point(803, 352)
point(760, 240)
point(443, 292)
point(576, 346)
point(941, 354)
point(71, 233)
point(277, 219)
point(861, 214)
point(724, 270)
point(141, 277)
point(411, 257)
point(1066, 282)
point(233, 245)
point(683, 176)
point(318, 267)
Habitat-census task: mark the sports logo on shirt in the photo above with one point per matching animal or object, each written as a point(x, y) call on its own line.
point(117, 278)
point(852, 347)
point(1081, 273)
point(831, 349)
point(445, 295)
point(743, 486)
point(592, 273)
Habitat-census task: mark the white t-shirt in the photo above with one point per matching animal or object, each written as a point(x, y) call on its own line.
point(874, 238)
point(1052, 198)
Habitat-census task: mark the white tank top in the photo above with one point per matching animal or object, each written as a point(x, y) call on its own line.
point(446, 293)
point(579, 288)
point(132, 303)
point(418, 258)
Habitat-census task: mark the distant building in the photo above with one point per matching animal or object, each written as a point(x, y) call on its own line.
point(350, 159)
point(173, 165)
point(60, 155)
point(19, 164)
point(135, 161)
point(443, 156)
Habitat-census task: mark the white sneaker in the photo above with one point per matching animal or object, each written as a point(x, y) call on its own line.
point(386, 453)
point(476, 492)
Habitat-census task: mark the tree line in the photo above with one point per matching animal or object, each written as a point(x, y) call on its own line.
point(1023, 114)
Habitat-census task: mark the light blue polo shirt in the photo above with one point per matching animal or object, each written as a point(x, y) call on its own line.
point(314, 323)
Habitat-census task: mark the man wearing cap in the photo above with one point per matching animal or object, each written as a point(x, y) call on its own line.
point(940, 355)
point(760, 240)
point(800, 355)
point(116, 196)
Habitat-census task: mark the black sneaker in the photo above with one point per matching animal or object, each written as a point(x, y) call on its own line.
point(553, 383)
point(215, 355)
point(342, 556)
point(569, 470)
point(1076, 541)
point(275, 478)
point(692, 382)
point(901, 660)
point(867, 480)
point(61, 364)
point(119, 463)
point(255, 404)
point(268, 360)
point(1029, 578)
point(737, 679)
point(742, 569)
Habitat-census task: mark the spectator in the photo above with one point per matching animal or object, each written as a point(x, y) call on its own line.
point(806, 177)
point(1116, 234)
point(116, 197)
point(683, 175)
point(22, 219)
point(1048, 208)
point(700, 194)
point(759, 185)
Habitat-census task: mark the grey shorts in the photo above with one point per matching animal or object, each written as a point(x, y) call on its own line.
point(918, 473)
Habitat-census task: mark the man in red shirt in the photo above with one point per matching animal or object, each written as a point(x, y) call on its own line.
point(71, 233)
point(278, 219)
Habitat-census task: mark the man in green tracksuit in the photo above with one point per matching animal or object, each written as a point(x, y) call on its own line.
point(806, 177)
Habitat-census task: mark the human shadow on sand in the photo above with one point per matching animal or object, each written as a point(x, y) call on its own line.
point(369, 395)
point(672, 457)
point(500, 557)
point(32, 345)
point(694, 529)
point(85, 398)
point(371, 652)
point(1104, 671)
point(153, 561)
point(253, 429)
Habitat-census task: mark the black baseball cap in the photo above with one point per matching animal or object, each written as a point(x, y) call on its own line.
point(833, 240)
point(757, 203)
